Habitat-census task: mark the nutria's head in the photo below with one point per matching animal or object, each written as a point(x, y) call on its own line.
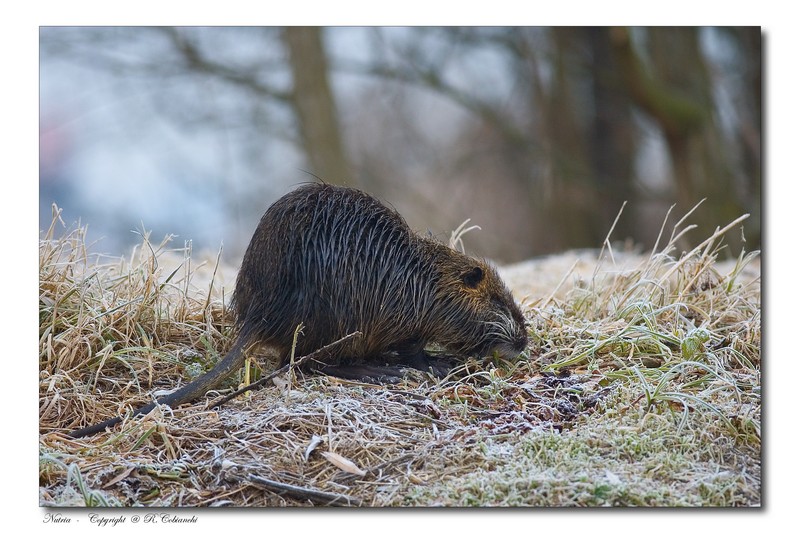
point(473, 311)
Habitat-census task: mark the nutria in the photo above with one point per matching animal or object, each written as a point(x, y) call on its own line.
point(337, 261)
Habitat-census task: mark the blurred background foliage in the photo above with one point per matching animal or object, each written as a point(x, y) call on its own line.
point(538, 135)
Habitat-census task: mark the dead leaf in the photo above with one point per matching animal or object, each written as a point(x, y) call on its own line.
point(344, 464)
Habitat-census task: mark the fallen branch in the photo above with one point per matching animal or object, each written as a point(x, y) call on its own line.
point(327, 498)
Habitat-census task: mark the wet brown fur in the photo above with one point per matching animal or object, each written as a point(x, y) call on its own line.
point(337, 260)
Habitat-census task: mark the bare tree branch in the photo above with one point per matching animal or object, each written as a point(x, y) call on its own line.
point(196, 61)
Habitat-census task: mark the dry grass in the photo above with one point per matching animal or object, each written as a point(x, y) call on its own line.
point(642, 386)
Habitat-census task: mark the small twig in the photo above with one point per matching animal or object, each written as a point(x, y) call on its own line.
point(281, 370)
point(328, 498)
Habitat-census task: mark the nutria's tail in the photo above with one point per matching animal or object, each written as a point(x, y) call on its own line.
point(211, 379)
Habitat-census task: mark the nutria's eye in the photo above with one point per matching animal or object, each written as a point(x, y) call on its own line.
point(473, 277)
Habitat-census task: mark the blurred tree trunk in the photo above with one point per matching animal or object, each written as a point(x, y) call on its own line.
point(681, 75)
point(749, 122)
point(590, 136)
point(314, 105)
point(664, 99)
point(570, 166)
point(612, 139)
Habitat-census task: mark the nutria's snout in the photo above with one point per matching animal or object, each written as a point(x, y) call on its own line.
point(518, 345)
point(508, 352)
point(510, 335)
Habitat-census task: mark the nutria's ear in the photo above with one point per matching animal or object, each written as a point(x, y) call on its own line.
point(472, 277)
